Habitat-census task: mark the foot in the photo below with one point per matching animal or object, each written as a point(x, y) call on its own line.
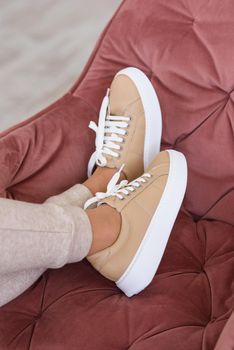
point(130, 125)
point(99, 180)
point(148, 207)
point(106, 223)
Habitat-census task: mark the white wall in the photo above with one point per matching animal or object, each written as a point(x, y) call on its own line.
point(44, 46)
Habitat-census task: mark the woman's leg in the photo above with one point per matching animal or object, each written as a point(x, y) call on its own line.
point(76, 195)
point(41, 235)
point(51, 234)
point(34, 237)
point(13, 284)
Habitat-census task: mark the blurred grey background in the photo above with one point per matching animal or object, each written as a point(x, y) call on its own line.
point(44, 46)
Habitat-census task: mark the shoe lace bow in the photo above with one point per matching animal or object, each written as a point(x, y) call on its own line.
point(124, 188)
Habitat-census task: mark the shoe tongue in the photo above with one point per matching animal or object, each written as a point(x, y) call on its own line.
point(111, 162)
point(116, 105)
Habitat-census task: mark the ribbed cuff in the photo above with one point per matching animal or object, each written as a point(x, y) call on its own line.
point(76, 195)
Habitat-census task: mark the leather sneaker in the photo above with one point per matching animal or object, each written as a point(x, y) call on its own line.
point(130, 125)
point(148, 206)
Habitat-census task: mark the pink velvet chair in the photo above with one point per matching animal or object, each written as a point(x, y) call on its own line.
point(186, 48)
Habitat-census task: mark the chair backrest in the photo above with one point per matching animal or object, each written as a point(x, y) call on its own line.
point(186, 48)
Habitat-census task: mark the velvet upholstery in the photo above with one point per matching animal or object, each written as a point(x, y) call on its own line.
point(186, 49)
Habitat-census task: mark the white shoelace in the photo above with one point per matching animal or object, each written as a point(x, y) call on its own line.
point(118, 190)
point(113, 125)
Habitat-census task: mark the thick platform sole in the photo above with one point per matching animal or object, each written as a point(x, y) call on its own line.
point(153, 116)
point(145, 263)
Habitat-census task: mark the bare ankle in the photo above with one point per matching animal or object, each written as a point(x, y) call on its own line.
point(106, 224)
point(99, 180)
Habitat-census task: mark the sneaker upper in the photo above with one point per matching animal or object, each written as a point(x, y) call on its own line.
point(137, 209)
point(122, 139)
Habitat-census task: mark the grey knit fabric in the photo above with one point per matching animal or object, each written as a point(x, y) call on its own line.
point(34, 237)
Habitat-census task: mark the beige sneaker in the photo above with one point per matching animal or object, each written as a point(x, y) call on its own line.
point(130, 125)
point(148, 207)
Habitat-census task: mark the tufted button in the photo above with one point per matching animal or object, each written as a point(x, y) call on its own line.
point(193, 21)
point(231, 94)
point(37, 317)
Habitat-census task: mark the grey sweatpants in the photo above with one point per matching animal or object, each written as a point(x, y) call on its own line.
point(35, 237)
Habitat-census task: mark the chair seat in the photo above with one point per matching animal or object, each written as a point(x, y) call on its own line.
point(76, 308)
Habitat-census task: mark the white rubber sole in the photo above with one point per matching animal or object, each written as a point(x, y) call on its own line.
point(153, 116)
point(145, 263)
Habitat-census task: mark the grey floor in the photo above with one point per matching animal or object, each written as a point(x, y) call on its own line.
point(44, 46)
